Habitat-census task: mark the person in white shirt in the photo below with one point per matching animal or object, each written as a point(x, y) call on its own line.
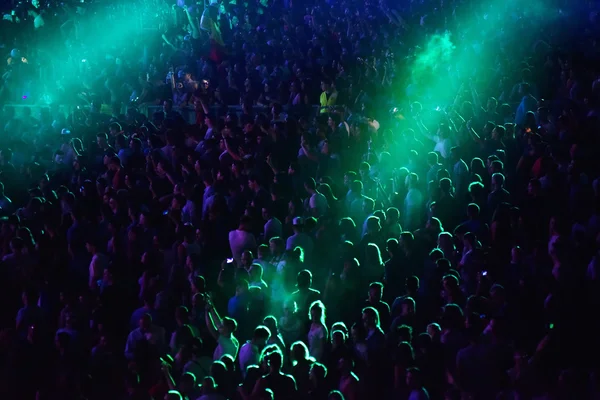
point(317, 202)
point(299, 238)
point(273, 227)
point(241, 239)
point(98, 263)
point(442, 138)
point(250, 351)
point(222, 330)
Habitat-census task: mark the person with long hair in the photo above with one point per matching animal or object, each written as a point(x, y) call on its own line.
point(373, 267)
point(301, 365)
point(317, 334)
point(332, 201)
point(209, 22)
point(282, 385)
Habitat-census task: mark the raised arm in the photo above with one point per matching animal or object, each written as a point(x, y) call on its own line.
point(193, 24)
point(210, 324)
point(164, 38)
point(213, 319)
point(206, 22)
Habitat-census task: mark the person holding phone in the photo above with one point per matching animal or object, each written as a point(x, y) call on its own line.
point(222, 329)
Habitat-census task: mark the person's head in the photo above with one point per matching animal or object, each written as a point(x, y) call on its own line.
point(317, 375)
point(187, 383)
point(434, 330)
point(497, 181)
point(102, 140)
point(91, 244)
point(375, 292)
point(393, 247)
point(253, 183)
point(338, 338)
point(455, 154)
point(450, 283)
point(405, 354)
point(524, 89)
point(373, 224)
point(356, 187)
point(407, 240)
point(228, 327)
point(145, 322)
point(304, 279)
point(445, 186)
point(271, 323)
point(363, 169)
point(267, 213)
point(247, 258)
point(412, 284)
point(473, 211)
point(114, 128)
point(310, 185)
point(370, 318)
point(261, 336)
point(317, 312)
point(349, 177)
point(432, 158)
point(326, 85)
point(392, 215)
point(30, 297)
point(476, 190)
point(445, 241)
point(274, 359)
point(412, 181)
point(335, 395)
point(498, 132)
point(256, 272)
point(299, 352)
point(452, 317)
point(434, 224)
point(173, 395)
point(298, 224)
point(408, 306)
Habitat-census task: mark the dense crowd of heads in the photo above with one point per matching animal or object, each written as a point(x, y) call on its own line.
point(404, 203)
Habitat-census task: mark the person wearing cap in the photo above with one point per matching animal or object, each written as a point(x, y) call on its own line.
point(300, 239)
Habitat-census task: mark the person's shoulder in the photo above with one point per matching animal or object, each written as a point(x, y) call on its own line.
point(246, 346)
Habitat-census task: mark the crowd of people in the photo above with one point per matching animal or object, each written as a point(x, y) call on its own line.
point(351, 232)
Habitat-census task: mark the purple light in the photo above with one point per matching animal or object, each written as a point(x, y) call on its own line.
point(24, 97)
